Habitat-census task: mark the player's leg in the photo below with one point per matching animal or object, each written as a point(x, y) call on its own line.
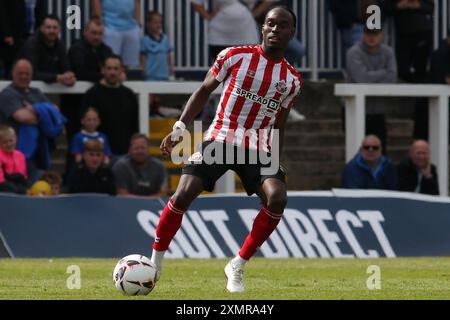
point(273, 196)
point(188, 189)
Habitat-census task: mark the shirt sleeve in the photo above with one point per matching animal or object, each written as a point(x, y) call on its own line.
point(289, 101)
point(221, 65)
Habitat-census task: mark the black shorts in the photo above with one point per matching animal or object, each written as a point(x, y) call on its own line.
point(247, 165)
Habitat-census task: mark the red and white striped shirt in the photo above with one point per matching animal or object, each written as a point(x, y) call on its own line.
point(255, 88)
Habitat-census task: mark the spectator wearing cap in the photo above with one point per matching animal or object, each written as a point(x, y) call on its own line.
point(369, 169)
point(416, 173)
point(371, 61)
point(138, 173)
point(90, 176)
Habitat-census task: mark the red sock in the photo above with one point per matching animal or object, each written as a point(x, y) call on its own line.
point(263, 226)
point(168, 225)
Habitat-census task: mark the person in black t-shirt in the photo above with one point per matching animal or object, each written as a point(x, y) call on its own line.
point(117, 106)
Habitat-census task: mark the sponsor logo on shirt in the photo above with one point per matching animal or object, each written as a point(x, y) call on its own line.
point(270, 104)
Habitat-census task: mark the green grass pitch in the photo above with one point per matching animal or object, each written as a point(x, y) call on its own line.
point(272, 279)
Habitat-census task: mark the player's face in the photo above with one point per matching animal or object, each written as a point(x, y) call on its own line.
point(93, 159)
point(22, 74)
point(139, 150)
point(278, 29)
point(111, 71)
point(50, 28)
point(91, 121)
point(94, 34)
point(8, 143)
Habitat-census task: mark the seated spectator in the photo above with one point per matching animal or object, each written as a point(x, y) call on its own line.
point(54, 180)
point(90, 176)
point(369, 169)
point(417, 173)
point(156, 59)
point(371, 61)
point(13, 169)
point(117, 106)
point(139, 173)
point(16, 109)
point(47, 53)
point(90, 123)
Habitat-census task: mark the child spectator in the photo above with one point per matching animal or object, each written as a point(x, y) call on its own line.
point(54, 180)
point(13, 169)
point(156, 58)
point(90, 122)
point(90, 176)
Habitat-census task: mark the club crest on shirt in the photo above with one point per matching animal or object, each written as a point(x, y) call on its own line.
point(196, 157)
point(251, 73)
point(281, 86)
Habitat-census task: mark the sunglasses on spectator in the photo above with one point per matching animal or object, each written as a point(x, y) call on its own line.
point(374, 148)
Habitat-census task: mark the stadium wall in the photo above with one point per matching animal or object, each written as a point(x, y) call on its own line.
point(331, 224)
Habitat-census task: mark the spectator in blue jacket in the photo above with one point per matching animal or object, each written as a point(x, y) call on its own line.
point(369, 169)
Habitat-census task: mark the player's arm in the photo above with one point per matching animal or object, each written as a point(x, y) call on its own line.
point(194, 106)
point(280, 124)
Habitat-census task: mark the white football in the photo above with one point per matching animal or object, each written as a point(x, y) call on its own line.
point(135, 275)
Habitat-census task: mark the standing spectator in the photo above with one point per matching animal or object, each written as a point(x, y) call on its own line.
point(90, 123)
point(371, 61)
point(35, 13)
point(439, 74)
point(13, 169)
point(12, 32)
point(417, 173)
point(156, 57)
point(48, 54)
point(117, 106)
point(230, 24)
point(90, 176)
point(350, 17)
point(414, 36)
point(369, 169)
point(86, 57)
point(122, 19)
point(139, 173)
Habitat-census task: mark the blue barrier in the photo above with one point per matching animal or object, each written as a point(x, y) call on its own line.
point(340, 223)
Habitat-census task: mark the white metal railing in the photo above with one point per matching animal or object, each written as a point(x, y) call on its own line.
point(142, 89)
point(188, 32)
point(355, 95)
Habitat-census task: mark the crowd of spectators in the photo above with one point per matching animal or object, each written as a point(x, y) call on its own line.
point(114, 41)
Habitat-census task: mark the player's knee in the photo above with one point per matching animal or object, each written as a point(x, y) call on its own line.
point(277, 201)
point(181, 200)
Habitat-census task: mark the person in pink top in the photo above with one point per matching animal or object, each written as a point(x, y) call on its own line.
point(13, 168)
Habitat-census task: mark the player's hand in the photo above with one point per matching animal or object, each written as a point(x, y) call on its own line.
point(168, 144)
